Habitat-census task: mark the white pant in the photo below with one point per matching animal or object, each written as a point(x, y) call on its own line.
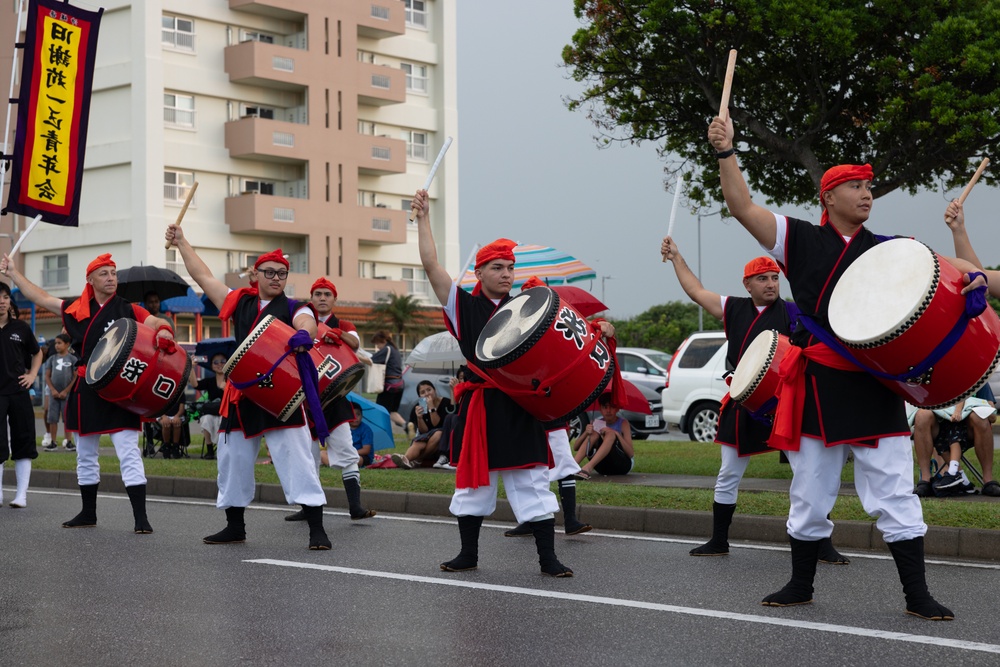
point(289, 449)
point(563, 462)
point(883, 477)
point(88, 470)
point(727, 484)
point(527, 491)
point(340, 452)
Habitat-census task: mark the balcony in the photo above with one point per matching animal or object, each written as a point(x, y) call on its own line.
point(378, 19)
point(377, 226)
point(278, 9)
point(267, 65)
point(381, 156)
point(267, 139)
point(379, 85)
point(265, 214)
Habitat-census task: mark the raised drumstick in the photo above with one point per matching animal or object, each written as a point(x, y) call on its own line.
point(30, 228)
point(727, 86)
point(673, 208)
point(434, 168)
point(975, 177)
point(180, 216)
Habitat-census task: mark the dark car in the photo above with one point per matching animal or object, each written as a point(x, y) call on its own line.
point(643, 425)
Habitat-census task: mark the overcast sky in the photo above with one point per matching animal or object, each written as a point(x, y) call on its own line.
point(531, 171)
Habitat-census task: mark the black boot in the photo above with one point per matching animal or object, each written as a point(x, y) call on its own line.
point(235, 531)
point(722, 517)
point(352, 487)
point(545, 543)
point(520, 530)
point(799, 590)
point(468, 557)
point(567, 496)
point(297, 516)
point(137, 496)
point(318, 541)
point(209, 451)
point(909, 557)
point(87, 517)
point(829, 555)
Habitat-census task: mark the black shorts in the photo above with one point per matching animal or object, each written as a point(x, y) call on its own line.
point(617, 462)
point(17, 409)
point(390, 400)
point(951, 432)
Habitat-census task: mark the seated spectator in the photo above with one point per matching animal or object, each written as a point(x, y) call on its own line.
point(363, 437)
point(428, 417)
point(171, 426)
point(607, 443)
point(444, 442)
point(977, 417)
point(212, 387)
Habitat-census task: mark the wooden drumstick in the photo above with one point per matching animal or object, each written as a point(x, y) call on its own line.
point(180, 216)
point(434, 168)
point(673, 210)
point(975, 177)
point(30, 228)
point(727, 86)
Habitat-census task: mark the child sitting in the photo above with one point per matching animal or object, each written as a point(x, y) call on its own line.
point(952, 439)
point(607, 443)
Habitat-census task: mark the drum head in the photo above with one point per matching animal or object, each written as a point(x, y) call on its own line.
point(516, 326)
point(344, 383)
point(753, 365)
point(883, 292)
point(111, 352)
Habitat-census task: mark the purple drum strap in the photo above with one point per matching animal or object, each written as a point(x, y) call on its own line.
point(764, 415)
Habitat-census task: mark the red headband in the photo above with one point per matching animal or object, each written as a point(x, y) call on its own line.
point(80, 309)
point(499, 249)
point(533, 281)
point(101, 260)
point(755, 267)
point(273, 256)
point(323, 283)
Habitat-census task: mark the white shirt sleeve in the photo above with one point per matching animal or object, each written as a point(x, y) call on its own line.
point(780, 233)
point(304, 309)
point(723, 298)
point(450, 308)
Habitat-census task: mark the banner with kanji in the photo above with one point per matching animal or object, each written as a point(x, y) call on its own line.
point(53, 108)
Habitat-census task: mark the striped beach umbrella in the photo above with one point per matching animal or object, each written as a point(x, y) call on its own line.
point(552, 266)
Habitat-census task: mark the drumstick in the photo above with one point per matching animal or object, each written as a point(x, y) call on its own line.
point(975, 177)
point(673, 209)
point(30, 228)
point(180, 216)
point(434, 168)
point(727, 86)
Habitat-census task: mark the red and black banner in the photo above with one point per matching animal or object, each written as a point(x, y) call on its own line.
point(53, 108)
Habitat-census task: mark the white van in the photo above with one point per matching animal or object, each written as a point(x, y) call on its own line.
point(695, 385)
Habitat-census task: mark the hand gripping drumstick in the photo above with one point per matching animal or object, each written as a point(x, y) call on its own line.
point(727, 86)
point(673, 210)
point(180, 216)
point(30, 228)
point(434, 168)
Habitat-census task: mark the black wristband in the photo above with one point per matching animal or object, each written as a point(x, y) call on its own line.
point(724, 154)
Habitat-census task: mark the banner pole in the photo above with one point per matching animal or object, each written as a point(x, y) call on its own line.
point(10, 93)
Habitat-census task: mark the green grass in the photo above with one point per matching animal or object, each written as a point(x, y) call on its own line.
point(658, 457)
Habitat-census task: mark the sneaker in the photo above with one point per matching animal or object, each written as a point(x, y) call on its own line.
point(401, 461)
point(69, 446)
point(449, 466)
point(441, 462)
point(991, 488)
point(966, 488)
point(947, 482)
point(51, 447)
point(46, 440)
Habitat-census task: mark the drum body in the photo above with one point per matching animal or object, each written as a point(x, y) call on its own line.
point(543, 354)
point(895, 304)
point(338, 367)
point(280, 394)
point(128, 369)
point(755, 380)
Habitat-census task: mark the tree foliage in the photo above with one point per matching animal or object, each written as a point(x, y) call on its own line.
point(910, 86)
point(399, 312)
point(663, 327)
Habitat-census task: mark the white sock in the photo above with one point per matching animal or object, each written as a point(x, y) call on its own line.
point(22, 470)
point(1, 483)
point(953, 468)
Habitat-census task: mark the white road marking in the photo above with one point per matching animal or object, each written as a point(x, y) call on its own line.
point(651, 606)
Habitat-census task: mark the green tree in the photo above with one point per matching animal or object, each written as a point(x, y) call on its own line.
point(399, 312)
point(663, 327)
point(910, 87)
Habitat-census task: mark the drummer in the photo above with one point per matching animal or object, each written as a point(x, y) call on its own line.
point(85, 319)
point(243, 422)
point(340, 449)
point(493, 437)
point(844, 411)
point(743, 319)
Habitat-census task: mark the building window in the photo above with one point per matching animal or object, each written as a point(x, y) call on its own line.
point(178, 33)
point(258, 112)
point(416, 146)
point(55, 271)
point(175, 263)
point(263, 37)
point(176, 185)
point(416, 281)
point(259, 187)
point(178, 109)
point(416, 13)
point(416, 78)
point(366, 269)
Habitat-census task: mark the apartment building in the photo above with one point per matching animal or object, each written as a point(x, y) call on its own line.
point(308, 125)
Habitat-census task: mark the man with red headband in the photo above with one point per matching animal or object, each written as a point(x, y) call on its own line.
point(844, 411)
point(243, 422)
point(515, 443)
point(340, 450)
point(742, 433)
point(85, 319)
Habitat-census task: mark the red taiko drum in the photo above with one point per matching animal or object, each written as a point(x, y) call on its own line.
point(543, 354)
point(338, 367)
point(128, 369)
point(895, 304)
point(755, 380)
point(281, 393)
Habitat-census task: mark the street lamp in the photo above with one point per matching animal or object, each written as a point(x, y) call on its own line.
point(701, 311)
point(603, 278)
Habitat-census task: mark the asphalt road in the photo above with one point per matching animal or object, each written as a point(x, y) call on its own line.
point(106, 596)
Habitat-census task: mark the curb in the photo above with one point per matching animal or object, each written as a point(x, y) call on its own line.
point(947, 542)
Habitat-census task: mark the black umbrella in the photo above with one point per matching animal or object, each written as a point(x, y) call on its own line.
point(135, 282)
point(207, 348)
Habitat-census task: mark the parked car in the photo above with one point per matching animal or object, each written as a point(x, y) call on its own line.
point(695, 385)
point(644, 367)
point(643, 425)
